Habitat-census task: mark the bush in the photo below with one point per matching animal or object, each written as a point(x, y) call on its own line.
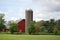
point(42, 29)
point(13, 27)
point(55, 30)
point(31, 29)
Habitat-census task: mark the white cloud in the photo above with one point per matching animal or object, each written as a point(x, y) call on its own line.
point(21, 0)
point(43, 9)
point(48, 9)
point(48, 5)
point(37, 15)
point(2, 12)
point(13, 18)
point(10, 10)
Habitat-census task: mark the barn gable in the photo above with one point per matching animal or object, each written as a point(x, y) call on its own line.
point(21, 25)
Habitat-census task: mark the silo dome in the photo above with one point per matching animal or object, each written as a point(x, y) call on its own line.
point(28, 9)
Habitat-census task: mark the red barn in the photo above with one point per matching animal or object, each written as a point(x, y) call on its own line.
point(21, 25)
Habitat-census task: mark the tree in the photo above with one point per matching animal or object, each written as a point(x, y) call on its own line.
point(55, 29)
point(46, 24)
point(13, 27)
point(31, 28)
point(2, 22)
point(40, 25)
point(58, 24)
point(52, 23)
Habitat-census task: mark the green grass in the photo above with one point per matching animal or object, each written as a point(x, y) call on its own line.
point(29, 37)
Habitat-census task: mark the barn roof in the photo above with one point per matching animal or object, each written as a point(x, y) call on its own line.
point(17, 21)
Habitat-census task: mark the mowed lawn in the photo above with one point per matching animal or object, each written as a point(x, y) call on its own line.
point(29, 37)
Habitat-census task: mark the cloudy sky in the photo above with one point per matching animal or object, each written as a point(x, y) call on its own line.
point(43, 9)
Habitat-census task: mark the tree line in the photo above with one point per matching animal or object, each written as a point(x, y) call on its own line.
point(48, 26)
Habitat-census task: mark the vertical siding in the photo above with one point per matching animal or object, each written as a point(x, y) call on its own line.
point(21, 26)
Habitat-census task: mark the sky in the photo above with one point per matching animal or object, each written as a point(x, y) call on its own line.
point(42, 9)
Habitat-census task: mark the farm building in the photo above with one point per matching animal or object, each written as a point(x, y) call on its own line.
point(21, 25)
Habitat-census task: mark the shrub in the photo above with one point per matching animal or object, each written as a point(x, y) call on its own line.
point(31, 29)
point(55, 30)
point(13, 27)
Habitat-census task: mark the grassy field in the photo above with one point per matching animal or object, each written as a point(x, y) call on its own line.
point(29, 37)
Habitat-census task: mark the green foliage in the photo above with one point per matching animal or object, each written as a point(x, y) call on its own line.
point(31, 28)
point(2, 21)
point(41, 28)
point(58, 24)
point(13, 27)
point(49, 26)
point(55, 30)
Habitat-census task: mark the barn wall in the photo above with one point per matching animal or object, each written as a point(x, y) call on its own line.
point(21, 26)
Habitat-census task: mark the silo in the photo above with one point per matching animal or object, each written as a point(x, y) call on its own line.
point(29, 18)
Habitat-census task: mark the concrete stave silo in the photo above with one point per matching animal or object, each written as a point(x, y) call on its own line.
point(29, 18)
